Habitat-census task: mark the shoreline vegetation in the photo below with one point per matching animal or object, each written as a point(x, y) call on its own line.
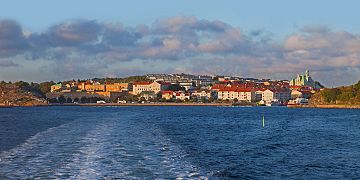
point(326, 106)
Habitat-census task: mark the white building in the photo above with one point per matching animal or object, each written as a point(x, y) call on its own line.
point(273, 95)
point(182, 95)
point(241, 94)
point(198, 94)
point(156, 87)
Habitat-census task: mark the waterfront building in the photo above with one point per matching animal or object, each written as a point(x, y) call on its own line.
point(156, 86)
point(199, 94)
point(182, 95)
point(301, 94)
point(167, 95)
point(241, 94)
point(282, 95)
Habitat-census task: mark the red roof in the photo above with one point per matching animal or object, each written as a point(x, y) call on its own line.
point(235, 89)
point(167, 92)
point(142, 83)
point(218, 86)
point(163, 83)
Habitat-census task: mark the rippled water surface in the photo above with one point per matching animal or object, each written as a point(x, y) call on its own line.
point(179, 142)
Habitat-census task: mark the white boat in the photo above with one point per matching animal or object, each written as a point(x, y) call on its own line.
point(273, 103)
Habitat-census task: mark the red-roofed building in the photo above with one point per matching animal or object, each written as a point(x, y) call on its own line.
point(167, 94)
point(182, 95)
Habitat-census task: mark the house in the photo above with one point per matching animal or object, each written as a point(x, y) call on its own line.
point(57, 87)
point(300, 94)
point(156, 87)
point(148, 95)
point(182, 95)
point(270, 95)
point(167, 95)
point(199, 94)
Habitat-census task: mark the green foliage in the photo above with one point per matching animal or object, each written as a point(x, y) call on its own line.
point(330, 95)
point(61, 99)
point(346, 95)
point(175, 87)
point(342, 95)
point(22, 84)
point(357, 86)
point(45, 86)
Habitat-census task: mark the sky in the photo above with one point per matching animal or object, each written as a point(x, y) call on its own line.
point(45, 40)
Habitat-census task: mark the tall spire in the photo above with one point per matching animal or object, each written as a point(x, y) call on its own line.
point(307, 73)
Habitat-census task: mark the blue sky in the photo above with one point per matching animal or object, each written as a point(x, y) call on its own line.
point(278, 21)
point(277, 16)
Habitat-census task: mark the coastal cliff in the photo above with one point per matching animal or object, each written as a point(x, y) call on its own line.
point(12, 94)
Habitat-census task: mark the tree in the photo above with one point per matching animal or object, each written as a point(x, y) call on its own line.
point(129, 98)
point(235, 100)
point(330, 95)
point(45, 87)
point(61, 99)
point(178, 101)
point(203, 99)
point(68, 100)
point(53, 100)
point(175, 87)
point(357, 86)
point(346, 95)
point(83, 99)
point(142, 99)
point(76, 100)
point(211, 99)
point(22, 84)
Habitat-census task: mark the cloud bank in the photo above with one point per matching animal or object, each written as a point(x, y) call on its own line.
point(85, 48)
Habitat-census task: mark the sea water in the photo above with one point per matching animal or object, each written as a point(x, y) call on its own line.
point(179, 142)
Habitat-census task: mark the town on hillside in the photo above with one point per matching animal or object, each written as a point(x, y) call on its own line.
point(188, 88)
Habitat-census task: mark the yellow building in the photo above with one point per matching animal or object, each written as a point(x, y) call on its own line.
point(57, 87)
point(117, 87)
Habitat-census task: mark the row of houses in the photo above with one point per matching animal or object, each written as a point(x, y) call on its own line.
point(199, 87)
point(221, 92)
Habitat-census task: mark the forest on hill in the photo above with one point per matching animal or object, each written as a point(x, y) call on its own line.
point(339, 95)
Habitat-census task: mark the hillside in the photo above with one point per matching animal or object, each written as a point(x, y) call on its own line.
point(20, 94)
point(346, 95)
